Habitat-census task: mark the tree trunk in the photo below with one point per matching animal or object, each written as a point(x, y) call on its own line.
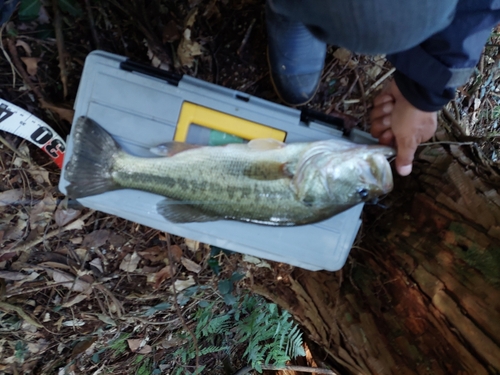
point(421, 292)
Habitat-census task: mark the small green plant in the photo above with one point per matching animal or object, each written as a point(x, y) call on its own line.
point(270, 335)
point(273, 338)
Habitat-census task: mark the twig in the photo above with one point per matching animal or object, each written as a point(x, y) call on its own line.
point(60, 47)
point(447, 143)
point(312, 370)
point(7, 57)
point(457, 111)
point(107, 293)
point(328, 69)
point(177, 308)
point(348, 92)
point(380, 80)
point(92, 25)
point(453, 120)
point(245, 38)
point(51, 234)
point(372, 87)
point(22, 71)
point(21, 156)
point(363, 99)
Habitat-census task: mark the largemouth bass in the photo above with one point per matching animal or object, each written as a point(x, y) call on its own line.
point(264, 181)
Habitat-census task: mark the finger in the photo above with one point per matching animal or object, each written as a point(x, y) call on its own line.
point(381, 110)
point(380, 125)
point(383, 98)
point(387, 138)
point(406, 152)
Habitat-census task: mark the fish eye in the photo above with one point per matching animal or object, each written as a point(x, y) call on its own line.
point(363, 193)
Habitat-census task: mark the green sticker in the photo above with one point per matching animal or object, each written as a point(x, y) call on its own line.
point(218, 138)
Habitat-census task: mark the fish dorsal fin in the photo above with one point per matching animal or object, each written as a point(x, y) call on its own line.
point(172, 148)
point(264, 144)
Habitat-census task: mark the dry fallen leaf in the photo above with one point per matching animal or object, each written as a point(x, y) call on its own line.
point(163, 274)
point(116, 240)
point(192, 245)
point(176, 252)
point(31, 64)
point(78, 224)
point(9, 275)
point(154, 254)
point(24, 45)
point(16, 231)
point(76, 240)
point(146, 349)
point(256, 261)
point(173, 342)
point(40, 175)
point(43, 212)
point(96, 238)
point(106, 319)
point(77, 299)
point(97, 263)
point(73, 323)
point(188, 49)
point(64, 113)
point(170, 32)
point(343, 55)
point(57, 265)
point(10, 196)
point(38, 346)
point(82, 346)
point(190, 265)
point(373, 72)
point(139, 346)
point(70, 282)
point(183, 284)
point(191, 17)
point(63, 215)
point(8, 308)
point(130, 262)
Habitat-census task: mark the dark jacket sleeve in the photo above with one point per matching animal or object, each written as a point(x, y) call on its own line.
point(428, 74)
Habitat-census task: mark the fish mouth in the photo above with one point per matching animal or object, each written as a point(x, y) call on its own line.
point(382, 172)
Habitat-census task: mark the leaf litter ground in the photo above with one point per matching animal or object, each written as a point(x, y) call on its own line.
point(82, 291)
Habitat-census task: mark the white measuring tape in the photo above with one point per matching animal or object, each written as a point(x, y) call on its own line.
point(17, 121)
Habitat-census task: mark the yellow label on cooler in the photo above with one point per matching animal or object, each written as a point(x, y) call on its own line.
point(193, 114)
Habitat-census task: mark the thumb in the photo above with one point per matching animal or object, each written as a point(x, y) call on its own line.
point(405, 156)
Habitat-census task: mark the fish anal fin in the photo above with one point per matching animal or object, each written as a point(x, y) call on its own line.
point(172, 148)
point(264, 144)
point(268, 171)
point(178, 212)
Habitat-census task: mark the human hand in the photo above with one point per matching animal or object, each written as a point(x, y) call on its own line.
point(395, 121)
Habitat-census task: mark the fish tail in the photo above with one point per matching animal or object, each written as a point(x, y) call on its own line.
point(89, 170)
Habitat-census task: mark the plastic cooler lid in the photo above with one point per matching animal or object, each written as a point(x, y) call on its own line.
point(141, 110)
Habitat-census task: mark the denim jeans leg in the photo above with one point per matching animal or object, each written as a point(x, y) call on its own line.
point(370, 26)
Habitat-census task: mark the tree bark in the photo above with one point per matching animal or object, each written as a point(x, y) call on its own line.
point(420, 294)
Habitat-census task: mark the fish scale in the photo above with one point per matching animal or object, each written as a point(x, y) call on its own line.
point(219, 182)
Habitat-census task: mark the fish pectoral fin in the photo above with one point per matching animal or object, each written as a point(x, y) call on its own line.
point(267, 171)
point(178, 212)
point(264, 144)
point(172, 148)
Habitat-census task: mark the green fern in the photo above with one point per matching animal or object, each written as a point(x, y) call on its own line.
point(273, 338)
point(270, 334)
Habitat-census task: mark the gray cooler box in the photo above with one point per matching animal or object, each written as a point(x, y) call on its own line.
point(142, 107)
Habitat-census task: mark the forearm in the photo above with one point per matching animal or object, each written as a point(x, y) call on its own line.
point(429, 74)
